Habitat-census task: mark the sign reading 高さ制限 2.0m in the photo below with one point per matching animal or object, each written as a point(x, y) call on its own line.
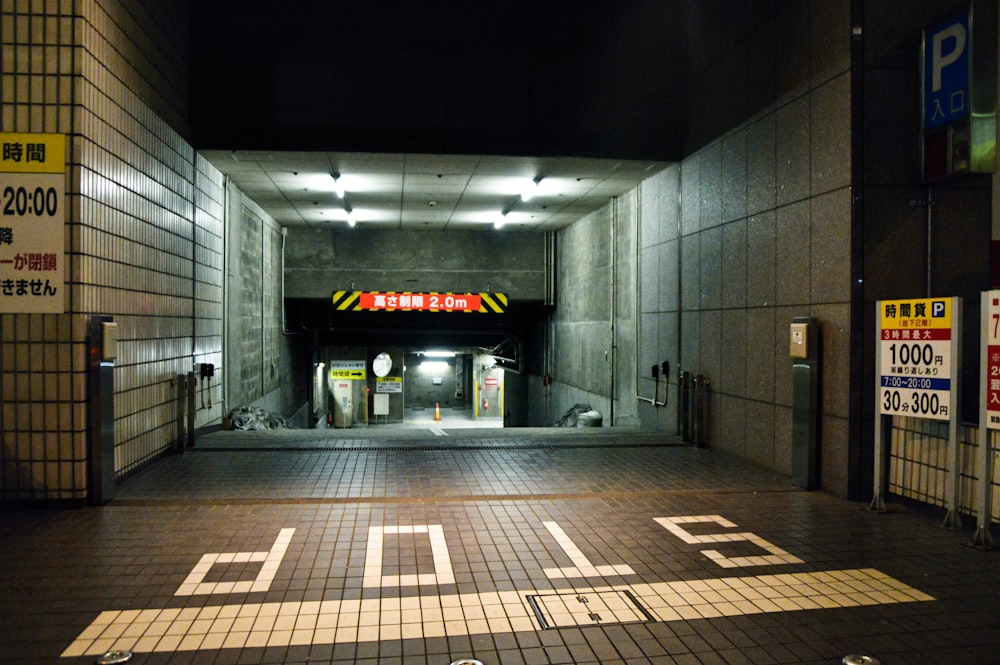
point(915, 357)
point(32, 217)
point(408, 301)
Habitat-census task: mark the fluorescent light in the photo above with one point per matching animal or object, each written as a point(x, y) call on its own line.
point(500, 221)
point(439, 354)
point(338, 184)
point(531, 189)
point(433, 367)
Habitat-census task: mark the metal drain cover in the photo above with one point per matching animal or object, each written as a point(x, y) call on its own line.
point(467, 661)
point(115, 658)
point(859, 660)
point(589, 608)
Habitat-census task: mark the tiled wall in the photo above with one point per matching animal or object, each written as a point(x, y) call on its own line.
point(761, 235)
point(42, 421)
point(251, 298)
point(268, 367)
point(144, 236)
point(581, 325)
point(592, 342)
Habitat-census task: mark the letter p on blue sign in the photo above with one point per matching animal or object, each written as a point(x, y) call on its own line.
point(937, 309)
point(946, 74)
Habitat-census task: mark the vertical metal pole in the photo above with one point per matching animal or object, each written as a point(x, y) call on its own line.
point(614, 307)
point(191, 383)
point(693, 409)
point(984, 454)
point(952, 519)
point(100, 418)
point(691, 412)
point(698, 409)
point(805, 406)
point(683, 405)
point(930, 237)
point(181, 382)
point(878, 501)
point(703, 403)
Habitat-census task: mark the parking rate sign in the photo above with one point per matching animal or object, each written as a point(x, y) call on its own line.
point(991, 332)
point(915, 368)
point(32, 221)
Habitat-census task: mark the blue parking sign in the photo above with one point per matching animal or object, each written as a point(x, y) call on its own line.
point(946, 58)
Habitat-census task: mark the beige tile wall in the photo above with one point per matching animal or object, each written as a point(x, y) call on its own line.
point(144, 237)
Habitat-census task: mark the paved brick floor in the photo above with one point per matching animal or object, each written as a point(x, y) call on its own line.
point(522, 547)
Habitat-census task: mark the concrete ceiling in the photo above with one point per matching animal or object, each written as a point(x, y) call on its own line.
point(427, 191)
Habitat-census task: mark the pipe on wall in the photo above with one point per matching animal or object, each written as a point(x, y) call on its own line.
point(614, 305)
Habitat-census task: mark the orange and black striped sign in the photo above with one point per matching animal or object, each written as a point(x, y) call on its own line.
point(408, 301)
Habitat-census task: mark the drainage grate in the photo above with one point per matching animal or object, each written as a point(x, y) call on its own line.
point(436, 447)
point(590, 608)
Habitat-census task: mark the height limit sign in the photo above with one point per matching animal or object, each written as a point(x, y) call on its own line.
point(917, 357)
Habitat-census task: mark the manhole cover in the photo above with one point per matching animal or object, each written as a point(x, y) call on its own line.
point(588, 608)
point(115, 658)
point(467, 661)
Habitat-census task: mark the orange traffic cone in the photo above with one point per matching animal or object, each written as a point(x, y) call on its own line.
point(437, 411)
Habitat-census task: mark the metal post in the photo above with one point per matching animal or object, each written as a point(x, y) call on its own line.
point(878, 499)
point(683, 406)
point(181, 383)
point(695, 406)
point(806, 354)
point(699, 410)
point(952, 518)
point(984, 453)
point(191, 383)
point(100, 415)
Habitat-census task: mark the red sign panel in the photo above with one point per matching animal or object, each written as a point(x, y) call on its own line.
point(428, 302)
point(993, 361)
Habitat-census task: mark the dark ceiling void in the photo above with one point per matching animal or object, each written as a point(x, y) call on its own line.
point(442, 76)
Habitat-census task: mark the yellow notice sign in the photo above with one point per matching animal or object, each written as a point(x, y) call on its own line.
point(351, 370)
point(918, 314)
point(389, 384)
point(32, 220)
point(32, 153)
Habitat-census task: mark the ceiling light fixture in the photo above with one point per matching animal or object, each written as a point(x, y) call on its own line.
point(502, 219)
point(350, 216)
point(531, 189)
point(339, 186)
point(433, 353)
point(434, 367)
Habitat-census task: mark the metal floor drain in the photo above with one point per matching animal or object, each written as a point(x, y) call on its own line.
point(588, 608)
point(114, 658)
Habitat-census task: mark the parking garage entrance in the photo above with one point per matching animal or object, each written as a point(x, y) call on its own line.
point(391, 385)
